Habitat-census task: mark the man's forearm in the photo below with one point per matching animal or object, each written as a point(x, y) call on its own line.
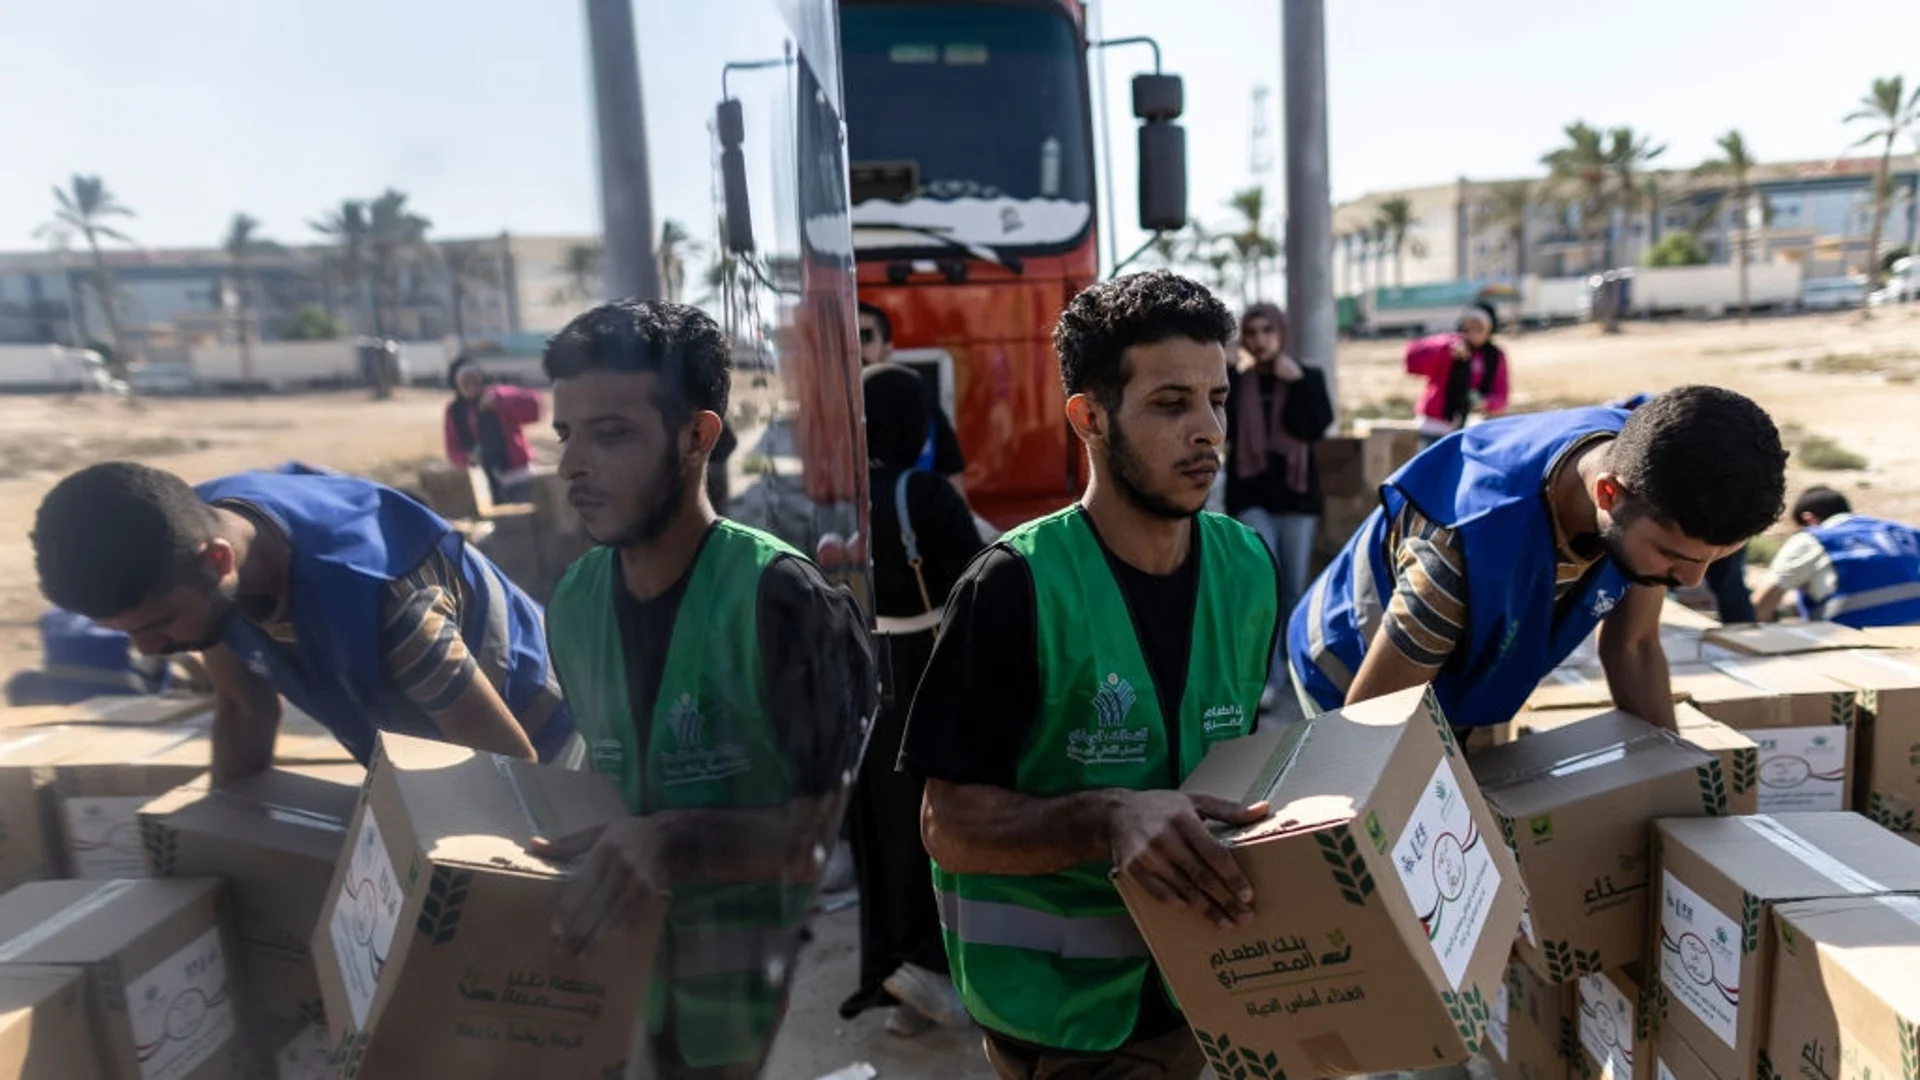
point(242, 740)
point(1638, 677)
point(979, 829)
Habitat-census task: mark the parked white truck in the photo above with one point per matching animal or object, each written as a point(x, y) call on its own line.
point(1712, 291)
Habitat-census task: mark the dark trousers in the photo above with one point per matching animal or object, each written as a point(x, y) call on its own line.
point(1727, 579)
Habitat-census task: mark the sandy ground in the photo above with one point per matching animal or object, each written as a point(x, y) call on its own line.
point(1827, 376)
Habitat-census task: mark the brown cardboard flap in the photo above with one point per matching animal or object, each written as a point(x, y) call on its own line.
point(1597, 755)
point(1786, 639)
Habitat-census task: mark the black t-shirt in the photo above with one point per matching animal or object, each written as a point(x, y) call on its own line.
point(980, 696)
point(816, 660)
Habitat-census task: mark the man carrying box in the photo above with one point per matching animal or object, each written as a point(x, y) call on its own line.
point(1499, 549)
point(718, 678)
point(1847, 568)
point(1087, 662)
point(360, 605)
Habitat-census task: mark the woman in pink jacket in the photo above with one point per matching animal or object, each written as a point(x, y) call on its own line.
point(1465, 372)
point(484, 427)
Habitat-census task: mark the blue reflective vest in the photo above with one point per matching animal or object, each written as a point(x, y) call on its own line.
point(1487, 483)
point(1876, 565)
point(351, 539)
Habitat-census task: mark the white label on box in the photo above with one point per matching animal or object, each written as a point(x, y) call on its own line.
point(1526, 926)
point(1802, 768)
point(364, 917)
point(180, 1011)
point(103, 836)
point(1449, 876)
point(1606, 1027)
point(308, 1057)
point(1700, 958)
point(1497, 1023)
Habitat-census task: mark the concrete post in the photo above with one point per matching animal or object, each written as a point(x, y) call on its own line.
point(1310, 304)
point(626, 200)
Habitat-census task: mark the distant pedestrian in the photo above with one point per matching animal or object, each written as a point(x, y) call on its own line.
point(1466, 373)
point(1279, 408)
point(485, 426)
point(940, 449)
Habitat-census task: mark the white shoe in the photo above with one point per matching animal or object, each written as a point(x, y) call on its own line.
point(928, 994)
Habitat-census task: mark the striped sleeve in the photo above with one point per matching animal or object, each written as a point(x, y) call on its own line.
point(427, 658)
point(1427, 614)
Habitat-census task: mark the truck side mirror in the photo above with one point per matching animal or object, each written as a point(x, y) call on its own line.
point(731, 125)
point(1158, 100)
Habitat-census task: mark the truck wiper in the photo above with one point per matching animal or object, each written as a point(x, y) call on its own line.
point(982, 252)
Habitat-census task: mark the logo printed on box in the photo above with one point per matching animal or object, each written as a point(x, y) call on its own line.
point(1607, 1027)
point(1443, 863)
point(1802, 768)
point(365, 916)
point(103, 835)
point(1497, 1023)
point(1700, 952)
point(180, 1011)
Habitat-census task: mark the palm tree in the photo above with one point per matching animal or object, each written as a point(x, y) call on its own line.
point(82, 207)
point(1735, 163)
point(242, 243)
point(1891, 111)
point(582, 267)
point(1252, 245)
point(396, 236)
point(1627, 156)
point(1578, 172)
point(676, 243)
point(1396, 219)
point(347, 227)
point(1506, 208)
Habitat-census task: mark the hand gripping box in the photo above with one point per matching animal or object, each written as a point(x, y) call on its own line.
point(434, 946)
point(1385, 901)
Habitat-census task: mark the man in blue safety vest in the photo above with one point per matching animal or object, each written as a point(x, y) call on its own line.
point(1847, 568)
point(1500, 548)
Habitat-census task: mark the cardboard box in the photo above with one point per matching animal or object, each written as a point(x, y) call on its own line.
point(1342, 464)
point(1673, 1059)
point(29, 844)
point(96, 787)
point(155, 958)
point(1894, 637)
point(1720, 880)
point(1801, 719)
point(1886, 732)
point(302, 1052)
point(275, 837)
point(115, 710)
point(1387, 445)
point(1534, 722)
point(1616, 1028)
point(44, 1030)
point(1847, 988)
point(1581, 688)
point(1781, 639)
point(433, 945)
point(1739, 756)
point(1575, 805)
point(1385, 902)
point(1527, 1037)
point(1675, 614)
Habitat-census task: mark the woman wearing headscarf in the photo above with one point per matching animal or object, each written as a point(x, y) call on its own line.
point(1465, 372)
point(1278, 409)
point(922, 538)
point(484, 426)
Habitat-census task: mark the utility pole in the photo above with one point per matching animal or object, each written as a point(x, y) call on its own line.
point(1303, 50)
point(626, 200)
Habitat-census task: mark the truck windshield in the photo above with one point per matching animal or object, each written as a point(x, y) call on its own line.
point(977, 112)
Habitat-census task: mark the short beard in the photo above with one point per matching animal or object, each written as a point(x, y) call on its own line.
point(1614, 539)
point(222, 608)
point(671, 482)
point(1128, 478)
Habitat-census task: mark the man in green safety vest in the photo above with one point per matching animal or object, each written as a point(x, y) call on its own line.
point(716, 677)
point(1087, 662)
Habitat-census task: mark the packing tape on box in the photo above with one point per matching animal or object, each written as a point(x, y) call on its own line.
point(1813, 858)
point(533, 805)
point(98, 899)
point(1907, 907)
point(273, 811)
point(1578, 763)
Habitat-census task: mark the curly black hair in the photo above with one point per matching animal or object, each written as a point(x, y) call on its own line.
point(1822, 502)
point(1100, 325)
point(112, 536)
point(679, 342)
point(1705, 460)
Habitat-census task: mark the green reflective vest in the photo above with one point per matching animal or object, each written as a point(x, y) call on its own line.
point(707, 744)
point(1055, 960)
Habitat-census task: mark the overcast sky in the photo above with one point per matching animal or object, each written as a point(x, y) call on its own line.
point(193, 109)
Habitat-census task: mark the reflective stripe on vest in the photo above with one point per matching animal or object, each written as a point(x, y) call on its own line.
point(1876, 568)
point(986, 922)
